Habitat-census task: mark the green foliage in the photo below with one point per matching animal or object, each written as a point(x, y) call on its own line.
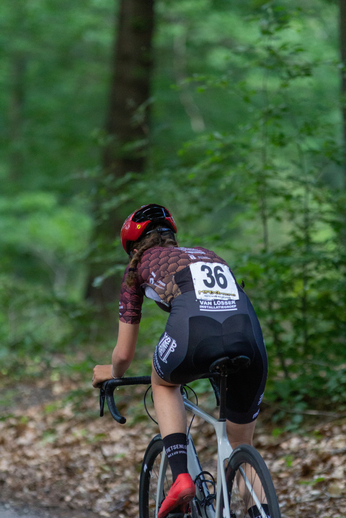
point(42, 244)
point(271, 175)
point(54, 69)
point(42, 240)
point(336, 386)
point(249, 94)
point(266, 196)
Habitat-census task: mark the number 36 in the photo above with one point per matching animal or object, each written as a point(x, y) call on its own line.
point(214, 276)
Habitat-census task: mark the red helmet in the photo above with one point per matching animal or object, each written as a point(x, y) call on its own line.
point(143, 221)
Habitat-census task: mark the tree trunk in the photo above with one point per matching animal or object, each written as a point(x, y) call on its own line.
point(342, 40)
point(127, 127)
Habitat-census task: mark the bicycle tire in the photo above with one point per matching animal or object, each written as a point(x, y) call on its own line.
point(248, 459)
point(148, 483)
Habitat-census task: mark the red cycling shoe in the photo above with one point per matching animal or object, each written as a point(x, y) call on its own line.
point(182, 492)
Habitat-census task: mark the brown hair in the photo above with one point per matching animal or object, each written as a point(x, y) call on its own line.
point(155, 238)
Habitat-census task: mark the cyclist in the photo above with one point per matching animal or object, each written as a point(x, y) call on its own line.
point(210, 316)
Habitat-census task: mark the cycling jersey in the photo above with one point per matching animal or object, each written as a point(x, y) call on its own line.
point(210, 317)
point(158, 280)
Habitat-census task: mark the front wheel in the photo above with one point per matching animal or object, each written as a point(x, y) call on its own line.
point(152, 487)
point(250, 488)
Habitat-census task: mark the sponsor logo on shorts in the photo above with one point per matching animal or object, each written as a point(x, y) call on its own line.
point(166, 346)
point(157, 366)
point(218, 305)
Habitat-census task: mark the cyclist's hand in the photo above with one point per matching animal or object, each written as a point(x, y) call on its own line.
point(101, 373)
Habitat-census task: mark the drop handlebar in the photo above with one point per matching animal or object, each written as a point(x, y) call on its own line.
point(107, 393)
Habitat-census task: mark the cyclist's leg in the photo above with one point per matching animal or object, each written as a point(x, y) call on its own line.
point(240, 433)
point(171, 416)
point(169, 406)
point(168, 356)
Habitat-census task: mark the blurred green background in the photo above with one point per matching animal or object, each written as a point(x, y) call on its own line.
point(245, 148)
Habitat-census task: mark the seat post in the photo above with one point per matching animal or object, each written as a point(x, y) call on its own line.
point(223, 389)
point(224, 366)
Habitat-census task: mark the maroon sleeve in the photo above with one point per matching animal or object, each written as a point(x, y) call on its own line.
point(130, 305)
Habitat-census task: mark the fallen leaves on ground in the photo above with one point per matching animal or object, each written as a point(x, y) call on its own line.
point(54, 456)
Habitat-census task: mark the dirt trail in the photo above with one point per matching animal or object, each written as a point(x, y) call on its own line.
point(7, 512)
point(58, 459)
point(23, 511)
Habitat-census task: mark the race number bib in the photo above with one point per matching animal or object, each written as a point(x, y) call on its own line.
point(213, 281)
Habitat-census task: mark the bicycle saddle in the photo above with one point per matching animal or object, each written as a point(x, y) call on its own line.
point(227, 364)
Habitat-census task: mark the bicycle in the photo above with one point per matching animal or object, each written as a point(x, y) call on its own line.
point(243, 479)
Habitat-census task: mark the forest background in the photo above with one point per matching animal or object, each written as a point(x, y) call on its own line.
point(242, 139)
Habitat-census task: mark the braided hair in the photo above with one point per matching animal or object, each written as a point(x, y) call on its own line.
point(154, 238)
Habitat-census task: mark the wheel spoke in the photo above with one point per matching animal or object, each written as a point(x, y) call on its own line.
point(250, 489)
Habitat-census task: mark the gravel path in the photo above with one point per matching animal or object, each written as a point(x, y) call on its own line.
point(7, 511)
point(23, 511)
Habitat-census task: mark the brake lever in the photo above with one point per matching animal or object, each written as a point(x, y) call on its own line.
point(102, 401)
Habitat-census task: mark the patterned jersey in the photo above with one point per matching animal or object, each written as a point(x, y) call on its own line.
point(163, 274)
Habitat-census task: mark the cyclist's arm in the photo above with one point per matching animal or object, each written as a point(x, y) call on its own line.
point(125, 349)
point(122, 355)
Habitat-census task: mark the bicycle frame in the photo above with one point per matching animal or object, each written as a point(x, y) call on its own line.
point(222, 507)
point(224, 451)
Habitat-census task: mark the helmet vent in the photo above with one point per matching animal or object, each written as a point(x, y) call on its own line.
point(151, 213)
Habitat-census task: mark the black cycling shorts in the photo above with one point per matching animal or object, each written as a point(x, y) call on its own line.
point(195, 336)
